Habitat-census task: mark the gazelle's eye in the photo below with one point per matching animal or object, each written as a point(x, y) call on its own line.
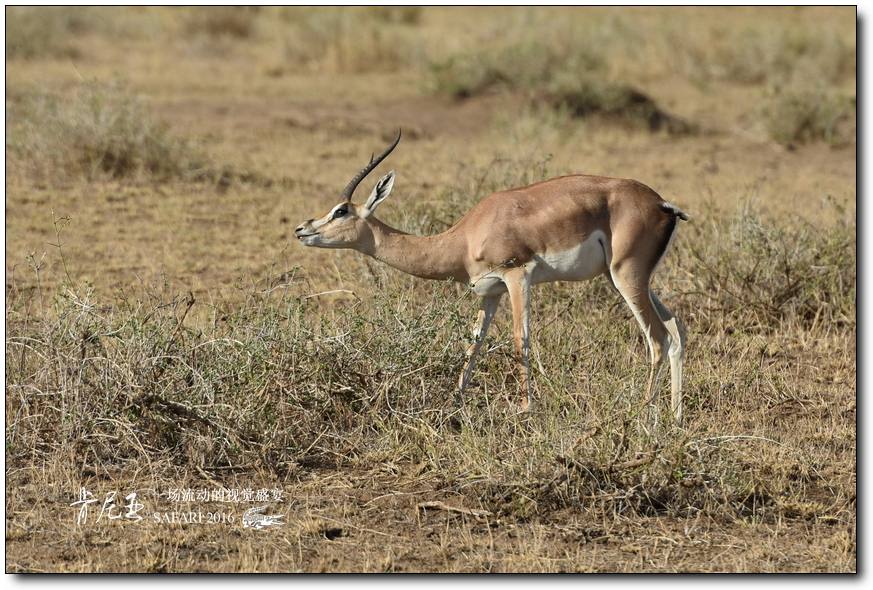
point(340, 212)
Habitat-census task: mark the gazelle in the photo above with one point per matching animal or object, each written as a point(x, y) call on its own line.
point(571, 228)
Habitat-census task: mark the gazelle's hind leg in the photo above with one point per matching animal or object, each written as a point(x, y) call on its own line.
point(676, 353)
point(633, 284)
point(487, 308)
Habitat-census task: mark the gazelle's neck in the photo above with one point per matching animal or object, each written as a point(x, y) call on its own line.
point(439, 257)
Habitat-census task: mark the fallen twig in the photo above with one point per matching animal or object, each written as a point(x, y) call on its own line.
point(437, 505)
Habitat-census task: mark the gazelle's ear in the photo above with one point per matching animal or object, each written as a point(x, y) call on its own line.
point(380, 191)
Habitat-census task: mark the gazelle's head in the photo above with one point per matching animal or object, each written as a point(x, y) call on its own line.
point(346, 225)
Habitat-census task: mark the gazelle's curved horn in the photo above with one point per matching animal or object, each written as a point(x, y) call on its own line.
point(347, 193)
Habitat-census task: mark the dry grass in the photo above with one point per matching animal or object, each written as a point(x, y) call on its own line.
point(93, 130)
point(162, 333)
point(35, 32)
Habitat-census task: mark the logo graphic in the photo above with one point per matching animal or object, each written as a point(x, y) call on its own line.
point(251, 518)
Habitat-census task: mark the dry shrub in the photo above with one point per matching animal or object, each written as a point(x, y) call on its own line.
point(800, 116)
point(569, 73)
point(771, 54)
point(766, 277)
point(222, 21)
point(615, 103)
point(45, 31)
point(351, 40)
point(407, 15)
point(93, 130)
point(526, 65)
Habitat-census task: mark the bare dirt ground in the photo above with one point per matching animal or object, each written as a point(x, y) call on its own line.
point(287, 142)
point(389, 520)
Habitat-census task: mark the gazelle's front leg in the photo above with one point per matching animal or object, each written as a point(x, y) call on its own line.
point(487, 308)
point(518, 282)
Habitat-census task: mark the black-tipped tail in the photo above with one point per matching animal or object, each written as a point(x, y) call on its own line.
point(669, 208)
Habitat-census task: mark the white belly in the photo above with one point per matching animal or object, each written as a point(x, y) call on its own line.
point(580, 263)
point(488, 285)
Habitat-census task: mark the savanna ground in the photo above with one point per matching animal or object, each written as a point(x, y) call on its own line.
point(165, 333)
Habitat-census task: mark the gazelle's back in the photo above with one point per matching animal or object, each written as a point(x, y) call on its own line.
point(554, 216)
